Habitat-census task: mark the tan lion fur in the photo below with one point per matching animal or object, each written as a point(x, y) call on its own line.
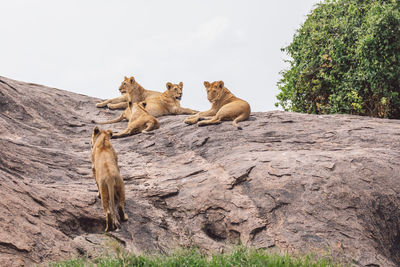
point(225, 106)
point(168, 103)
point(135, 93)
point(140, 121)
point(107, 176)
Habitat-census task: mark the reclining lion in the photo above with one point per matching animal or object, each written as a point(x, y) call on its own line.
point(168, 103)
point(140, 121)
point(225, 106)
point(108, 179)
point(128, 86)
point(135, 93)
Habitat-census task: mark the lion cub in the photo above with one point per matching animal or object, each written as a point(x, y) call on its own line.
point(108, 179)
point(225, 106)
point(168, 103)
point(140, 121)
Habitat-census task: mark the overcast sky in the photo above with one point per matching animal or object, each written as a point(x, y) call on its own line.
point(89, 46)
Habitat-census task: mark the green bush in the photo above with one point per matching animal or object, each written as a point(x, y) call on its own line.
point(345, 58)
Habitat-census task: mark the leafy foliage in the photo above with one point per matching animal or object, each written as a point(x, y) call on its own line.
point(345, 59)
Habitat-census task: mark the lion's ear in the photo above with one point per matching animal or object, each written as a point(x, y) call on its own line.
point(96, 130)
point(110, 133)
point(181, 84)
point(206, 84)
point(221, 84)
point(169, 85)
point(132, 80)
point(125, 78)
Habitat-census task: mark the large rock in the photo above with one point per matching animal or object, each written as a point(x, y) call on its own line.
point(293, 182)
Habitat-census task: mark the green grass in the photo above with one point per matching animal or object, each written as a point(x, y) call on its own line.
point(192, 257)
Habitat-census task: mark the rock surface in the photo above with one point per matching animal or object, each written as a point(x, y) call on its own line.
point(293, 182)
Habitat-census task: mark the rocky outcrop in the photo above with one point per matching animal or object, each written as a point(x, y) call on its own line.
point(293, 182)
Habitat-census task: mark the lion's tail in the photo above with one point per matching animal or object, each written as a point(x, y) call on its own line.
point(241, 117)
point(120, 118)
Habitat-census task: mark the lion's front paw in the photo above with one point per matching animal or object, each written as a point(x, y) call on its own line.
point(190, 120)
point(202, 123)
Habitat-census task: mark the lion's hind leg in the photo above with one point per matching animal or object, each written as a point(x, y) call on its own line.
point(120, 192)
point(106, 205)
point(131, 129)
point(150, 126)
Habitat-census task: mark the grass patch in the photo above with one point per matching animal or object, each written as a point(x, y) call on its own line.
point(193, 258)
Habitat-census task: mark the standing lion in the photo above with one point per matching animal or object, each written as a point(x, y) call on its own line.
point(225, 107)
point(108, 179)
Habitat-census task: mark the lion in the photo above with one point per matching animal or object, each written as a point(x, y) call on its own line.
point(108, 179)
point(225, 106)
point(135, 93)
point(131, 87)
point(168, 103)
point(140, 121)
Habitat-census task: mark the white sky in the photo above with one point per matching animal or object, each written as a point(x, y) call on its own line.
point(89, 46)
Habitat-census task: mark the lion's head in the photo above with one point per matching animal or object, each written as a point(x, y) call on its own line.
point(128, 85)
point(215, 91)
point(175, 90)
point(103, 135)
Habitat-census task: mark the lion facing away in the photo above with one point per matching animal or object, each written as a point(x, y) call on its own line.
point(168, 103)
point(225, 106)
point(131, 87)
point(108, 179)
point(140, 121)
